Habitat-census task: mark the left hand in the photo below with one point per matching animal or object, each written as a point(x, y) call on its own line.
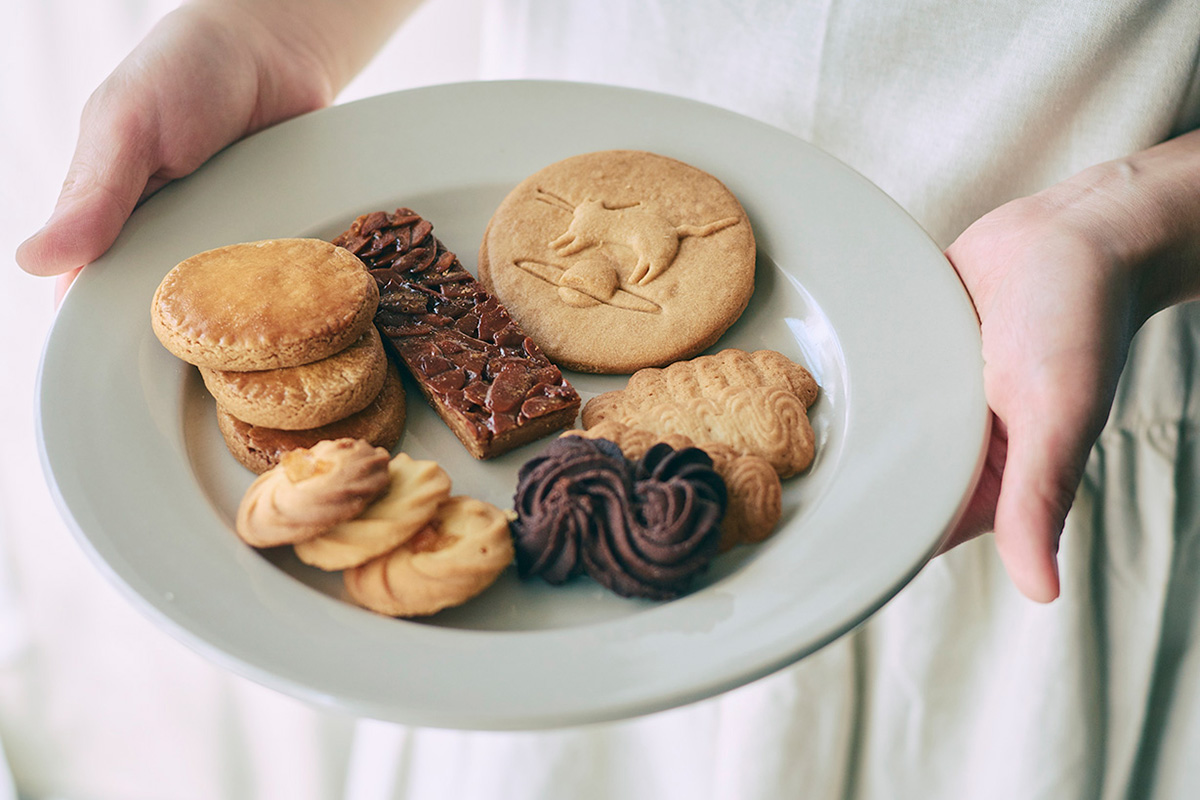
point(1057, 308)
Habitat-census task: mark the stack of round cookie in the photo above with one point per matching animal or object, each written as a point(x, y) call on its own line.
point(282, 331)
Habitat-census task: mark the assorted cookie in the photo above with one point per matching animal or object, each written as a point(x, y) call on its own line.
point(487, 379)
point(405, 546)
point(620, 259)
point(310, 491)
point(452, 559)
point(756, 403)
point(641, 528)
point(415, 491)
point(755, 492)
point(282, 331)
point(263, 305)
point(305, 396)
point(258, 448)
point(618, 262)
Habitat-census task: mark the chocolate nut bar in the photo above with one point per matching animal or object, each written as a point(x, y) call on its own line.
point(487, 380)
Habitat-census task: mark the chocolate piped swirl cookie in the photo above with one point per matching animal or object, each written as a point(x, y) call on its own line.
point(659, 542)
point(559, 494)
point(641, 530)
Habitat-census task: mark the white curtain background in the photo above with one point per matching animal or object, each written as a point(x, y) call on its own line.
point(95, 701)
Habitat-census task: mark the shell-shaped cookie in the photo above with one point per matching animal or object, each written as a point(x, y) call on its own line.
point(415, 491)
point(771, 423)
point(455, 557)
point(310, 491)
point(708, 375)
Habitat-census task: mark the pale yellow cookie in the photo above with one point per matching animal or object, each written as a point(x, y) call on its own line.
point(620, 259)
point(756, 403)
point(415, 491)
point(310, 491)
point(307, 396)
point(264, 305)
point(458, 555)
point(752, 485)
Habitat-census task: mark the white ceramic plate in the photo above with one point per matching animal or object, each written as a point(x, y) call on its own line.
point(847, 284)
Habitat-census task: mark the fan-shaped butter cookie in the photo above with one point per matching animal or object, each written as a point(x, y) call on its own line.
point(455, 557)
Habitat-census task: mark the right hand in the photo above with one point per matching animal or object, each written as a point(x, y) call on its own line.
point(204, 77)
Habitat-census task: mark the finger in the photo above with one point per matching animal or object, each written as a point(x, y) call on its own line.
point(979, 516)
point(108, 175)
point(62, 283)
point(1041, 474)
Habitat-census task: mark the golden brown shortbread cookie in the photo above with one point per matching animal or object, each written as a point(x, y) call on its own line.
point(306, 396)
point(311, 490)
point(415, 491)
point(381, 423)
point(459, 554)
point(264, 305)
point(621, 259)
point(754, 490)
point(756, 403)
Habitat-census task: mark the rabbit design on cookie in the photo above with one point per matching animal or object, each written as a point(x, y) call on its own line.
point(653, 238)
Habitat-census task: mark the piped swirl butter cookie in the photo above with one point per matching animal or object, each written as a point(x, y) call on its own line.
point(620, 259)
point(414, 492)
point(461, 552)
point(263, 305)
point(311, 491)
point(755, 492)
point(756, 403)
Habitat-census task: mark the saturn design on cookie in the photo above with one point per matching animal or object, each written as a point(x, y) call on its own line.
point(589, 282)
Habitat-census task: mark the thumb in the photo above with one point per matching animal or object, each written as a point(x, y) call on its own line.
point(113, 161)
point(1041, 473)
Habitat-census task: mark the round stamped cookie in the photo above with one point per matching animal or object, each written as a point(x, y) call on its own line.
point(264, 305)
point(307, 396)
point(620, 259)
